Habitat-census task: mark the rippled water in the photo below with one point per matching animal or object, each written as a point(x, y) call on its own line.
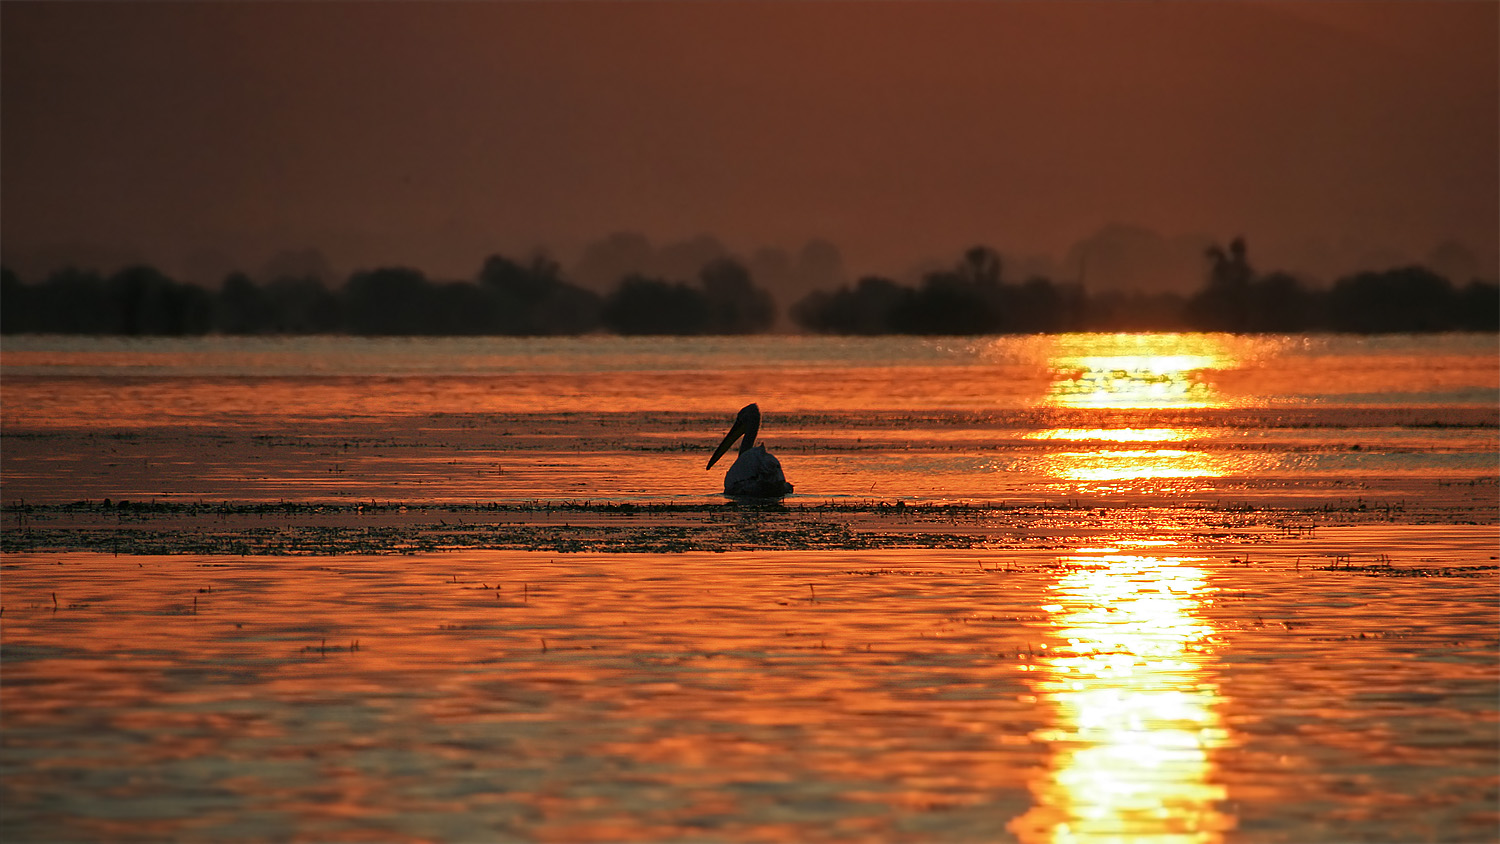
point(1250, 592)
point(1121, 692)
point(1020, 418)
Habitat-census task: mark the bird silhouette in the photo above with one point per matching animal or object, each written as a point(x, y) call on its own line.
point(756, 473)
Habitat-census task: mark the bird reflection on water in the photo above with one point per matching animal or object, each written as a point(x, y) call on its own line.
point(756, 473)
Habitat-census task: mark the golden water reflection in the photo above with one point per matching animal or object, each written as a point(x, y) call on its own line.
point(1119, 435)
point(1136, 710)
point(1142, 371)
point(1134, 372)
point(1108, 462)
point(1133, 465)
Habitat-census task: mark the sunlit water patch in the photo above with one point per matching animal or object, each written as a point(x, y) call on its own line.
point(1135, 697)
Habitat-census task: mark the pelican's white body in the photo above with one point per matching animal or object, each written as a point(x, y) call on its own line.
point(756, 473)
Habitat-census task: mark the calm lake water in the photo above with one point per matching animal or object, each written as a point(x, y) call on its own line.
point(1174, 588)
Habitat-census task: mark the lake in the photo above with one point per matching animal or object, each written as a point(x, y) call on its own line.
point(1066, 588)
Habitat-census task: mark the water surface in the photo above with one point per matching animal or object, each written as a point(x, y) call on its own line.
point(1263, 418)
point(1082, 588)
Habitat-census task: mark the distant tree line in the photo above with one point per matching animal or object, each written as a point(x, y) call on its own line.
point(972, 298)
point(1403, 299)
point(506, 298)
point(530, 298)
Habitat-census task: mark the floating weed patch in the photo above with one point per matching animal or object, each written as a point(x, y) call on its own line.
point(1388, 570)
point(397, 528)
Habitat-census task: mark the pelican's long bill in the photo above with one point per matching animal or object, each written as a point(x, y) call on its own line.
point(734, 433)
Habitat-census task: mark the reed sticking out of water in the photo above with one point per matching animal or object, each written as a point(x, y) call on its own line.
point(544, 646)
point(54, 602)
point(813, 593)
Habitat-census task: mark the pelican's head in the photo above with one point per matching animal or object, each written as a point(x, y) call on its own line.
point(746, 424)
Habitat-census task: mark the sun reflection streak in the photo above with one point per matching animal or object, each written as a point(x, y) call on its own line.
point(1136, 713)
point(1136, 372)
point(1118, 435)
point(1143, 464)
point(1141, 371)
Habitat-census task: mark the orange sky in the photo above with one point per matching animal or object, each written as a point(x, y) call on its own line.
point(432, 134)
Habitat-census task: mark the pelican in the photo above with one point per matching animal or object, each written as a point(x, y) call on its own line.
point(756, 473)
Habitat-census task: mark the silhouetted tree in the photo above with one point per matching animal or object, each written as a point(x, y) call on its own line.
point(816, 312)
point(1404, 299)
point(947, 304)
point(968, 299)
point(510, 297)
point(514, 290)
point(15, 302)
point(243, 308)
point(965, 300)
point(1041, 307)
point(147, 302)
point(71, 301)
point(390, 300)
point(1230, 269)
point(533, 299)
point(874, 306)
point(1279, 303)
point(303, 305)
point(980, 267)
point(734, 304)
point(1478, 307)
point(642, 305)
point(1224, 303)
point(460, 309)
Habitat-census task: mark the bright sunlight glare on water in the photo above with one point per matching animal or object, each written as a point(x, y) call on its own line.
point(1133, 690)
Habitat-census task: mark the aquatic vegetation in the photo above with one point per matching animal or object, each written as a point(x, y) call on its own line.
point(576, 527)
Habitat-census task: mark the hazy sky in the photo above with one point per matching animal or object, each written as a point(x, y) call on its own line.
point(431, 134)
